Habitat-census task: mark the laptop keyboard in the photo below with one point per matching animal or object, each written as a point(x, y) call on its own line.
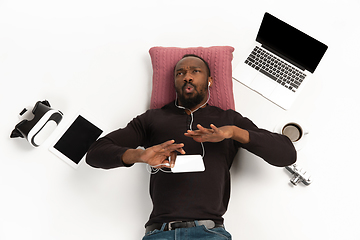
point(276, 69)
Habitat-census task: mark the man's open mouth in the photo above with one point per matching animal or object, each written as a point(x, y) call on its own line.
point(188, 88)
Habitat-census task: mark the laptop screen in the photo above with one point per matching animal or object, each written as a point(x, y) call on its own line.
point(289, 43)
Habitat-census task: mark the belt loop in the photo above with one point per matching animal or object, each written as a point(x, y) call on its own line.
point(196, 223)
point(163, 227)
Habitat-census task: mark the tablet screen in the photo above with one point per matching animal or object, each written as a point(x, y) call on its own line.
point(77, 139)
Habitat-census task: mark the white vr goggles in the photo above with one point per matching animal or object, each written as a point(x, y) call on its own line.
point(32, 129)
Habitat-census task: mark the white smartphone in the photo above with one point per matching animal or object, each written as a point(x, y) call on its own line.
point(188, 163)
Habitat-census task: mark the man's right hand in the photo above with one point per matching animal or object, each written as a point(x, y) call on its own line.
point(156, 156)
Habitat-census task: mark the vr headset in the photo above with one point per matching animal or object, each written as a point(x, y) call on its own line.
point(44, 115)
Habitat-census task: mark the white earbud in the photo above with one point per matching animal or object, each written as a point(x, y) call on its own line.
point(209, 84)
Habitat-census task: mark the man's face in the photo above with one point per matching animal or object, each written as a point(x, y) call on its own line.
point(191, 82)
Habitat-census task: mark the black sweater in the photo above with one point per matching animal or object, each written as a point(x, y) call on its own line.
point(196, 195)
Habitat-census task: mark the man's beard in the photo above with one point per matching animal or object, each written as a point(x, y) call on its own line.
point(191, 101)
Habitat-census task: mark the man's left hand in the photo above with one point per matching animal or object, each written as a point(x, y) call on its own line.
point(213, 134)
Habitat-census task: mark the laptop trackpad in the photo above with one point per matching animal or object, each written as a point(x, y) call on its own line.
point(263, 84)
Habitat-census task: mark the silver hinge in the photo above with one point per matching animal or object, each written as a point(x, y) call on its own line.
point(299, 175)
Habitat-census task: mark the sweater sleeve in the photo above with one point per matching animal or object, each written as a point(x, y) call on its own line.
point(107, 152)
point(274, 148)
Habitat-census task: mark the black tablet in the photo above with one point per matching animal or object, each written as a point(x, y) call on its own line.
point(76, 139)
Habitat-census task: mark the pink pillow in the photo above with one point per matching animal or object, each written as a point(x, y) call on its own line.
point(219, 59)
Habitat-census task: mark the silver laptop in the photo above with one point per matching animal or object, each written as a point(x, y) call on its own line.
point(281, 62)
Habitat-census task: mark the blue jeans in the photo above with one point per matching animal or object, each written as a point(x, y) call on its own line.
point(198, 232)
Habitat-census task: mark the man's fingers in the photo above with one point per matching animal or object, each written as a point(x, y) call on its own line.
point(212, 134)
point(170, 146)
point(205, 130)
point(201, 128)
point(159, 155)
point(201, 131)
point(167, 143)
point(213, 127)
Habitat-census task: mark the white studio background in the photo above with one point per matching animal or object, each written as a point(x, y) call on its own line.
point(93, 55)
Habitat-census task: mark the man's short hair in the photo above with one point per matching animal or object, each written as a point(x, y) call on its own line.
point(193, 55)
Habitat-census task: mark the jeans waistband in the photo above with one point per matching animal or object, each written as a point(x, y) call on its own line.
point(209, 224)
